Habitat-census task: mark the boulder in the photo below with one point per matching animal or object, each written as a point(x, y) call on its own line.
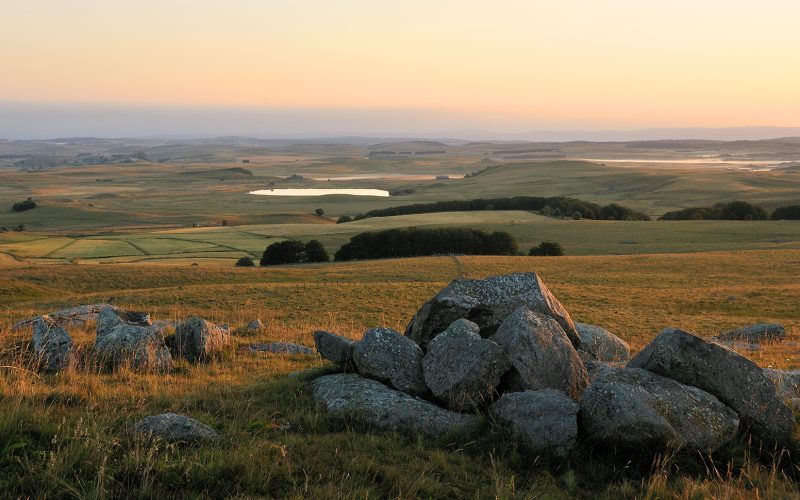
point(462, 369)
point(136, 342)
point(52, 345)
point(546, 420)
point(733, 379)
point(634, 409)
point(199, 339)
point(335, 348)
point(787, 382)
point(759, 332)
point(175, 428)
point(388, 356)
point(541, 354)
point(76, 316)
point(599, 344)
point(279, 348)
point(255, 326)
point(596, 368)
point(487, 303)
point(351, 394)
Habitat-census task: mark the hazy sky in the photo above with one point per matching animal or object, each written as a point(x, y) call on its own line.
point(506, 64)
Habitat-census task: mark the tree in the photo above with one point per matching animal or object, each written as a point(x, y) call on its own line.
point(343, 219)
point(576, 215)
point(315, 252)
point(245, 262)
point(790, 212)
point(284, 252)
point(547, 249)
point(21, 206)
point(319, 212)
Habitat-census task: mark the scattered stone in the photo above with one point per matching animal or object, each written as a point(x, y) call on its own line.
point(759, 332)
point(391, 358)
point(487, 303)
point(634, 408)
point(255, 326)
point(599, 344)
point(135, 342)
point(732, 378)
point(541, 355)
point(547, 420)
point(200, 340)
point(335, 348)
point(351, 394)
point(279, 348)
point(77, 316)
point(175, 428)
point(462, 369)
point(51, 344)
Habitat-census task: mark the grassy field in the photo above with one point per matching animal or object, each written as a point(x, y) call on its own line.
point(66, 435)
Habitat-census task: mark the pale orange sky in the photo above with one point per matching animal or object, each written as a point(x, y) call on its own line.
point(567, 63)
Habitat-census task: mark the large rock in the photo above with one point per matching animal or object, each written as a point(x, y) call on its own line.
point(255, 326)
point(732, 378)
point(787, 382)
point(487, 303)
point(52, 345)
point(73, 316)
point(351, 394)
point(279, 348)
point(388, 356)
point(541, 354)
point(636, 409)
point(462, 369)
point(200, 340)
point(759, 332)
point(129, 338)
point(546, 420)
point(598, 344)
point(335, 348)
point(175, 428)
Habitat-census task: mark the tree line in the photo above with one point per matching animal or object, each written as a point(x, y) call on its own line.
point(735, 210)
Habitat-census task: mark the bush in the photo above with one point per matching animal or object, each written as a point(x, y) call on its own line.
point(21, 206)
point(284, 252)
point(245, 262)
point(343, 219)
point(790, 212)
point(319, 212)
point(576, 216)
point(414, 242)
point(315, 252)
point(547, 249)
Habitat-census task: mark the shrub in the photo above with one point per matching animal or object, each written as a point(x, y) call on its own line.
point(21, 206)
point(576, 216)
point(343, 219)
point(547, 249)
point(245, 262)
point(319, 212)
point(284, 252)
point(315, 252)
point(790, 212)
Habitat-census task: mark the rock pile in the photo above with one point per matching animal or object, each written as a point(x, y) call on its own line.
point(506, 348)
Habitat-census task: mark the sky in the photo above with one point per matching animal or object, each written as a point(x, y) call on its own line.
point(387, 66)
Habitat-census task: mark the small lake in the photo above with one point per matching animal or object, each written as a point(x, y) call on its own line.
point(320, 192)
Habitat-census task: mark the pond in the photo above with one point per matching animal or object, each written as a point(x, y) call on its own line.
point(320, 192)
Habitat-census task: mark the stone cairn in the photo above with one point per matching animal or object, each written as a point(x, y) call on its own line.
point(507, 348)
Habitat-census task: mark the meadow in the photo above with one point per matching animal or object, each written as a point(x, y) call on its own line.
point(66, 435)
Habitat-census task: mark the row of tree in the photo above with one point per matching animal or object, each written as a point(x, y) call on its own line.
point(555, 206)
point(735, 210)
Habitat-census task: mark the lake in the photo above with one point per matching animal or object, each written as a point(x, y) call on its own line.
point(320, 192)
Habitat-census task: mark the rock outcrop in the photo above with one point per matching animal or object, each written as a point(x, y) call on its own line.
point(391, 358)
point(598, 344)
point(199, 340)
point(73, 316)
point(335, 348)
point(279, 348)
point(757, 333)
point(129, 338)
point(52, 345)
point(175, 428)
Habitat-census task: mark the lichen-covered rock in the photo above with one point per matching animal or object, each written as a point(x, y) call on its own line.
point(279, 348)
point(335, 348)
point(633, 408)
point(351, 394)
point(487, 302)
point(733, 379)
point(200, 340)
point(52, 345)
point(129, 338)
point(756, 333)
point(388, 356)
point(175, 428)
point(599, 344)
point(787, 382)
point(541, 354)
point(77, 316)
point(462, 369)
point(546, 420)
point(255, 326)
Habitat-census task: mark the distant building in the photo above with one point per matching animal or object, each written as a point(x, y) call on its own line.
point(442, 177)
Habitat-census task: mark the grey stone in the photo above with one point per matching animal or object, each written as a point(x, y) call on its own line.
point(335, 348)
point(546, 420)
point(351, 394)
point(787, 383)
point(73, 316)
point(541, 354)
point(138, 343)
point(759, 332)
point(733, 379)
point(200, 340)
point(462, 369)
point(601, 345)
point(596, 368)
point(52, 345)
point(388, 356)
point(255, 326)
point(175, 428)
point(634, 408)
point(279, 348)
point(487, 302)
